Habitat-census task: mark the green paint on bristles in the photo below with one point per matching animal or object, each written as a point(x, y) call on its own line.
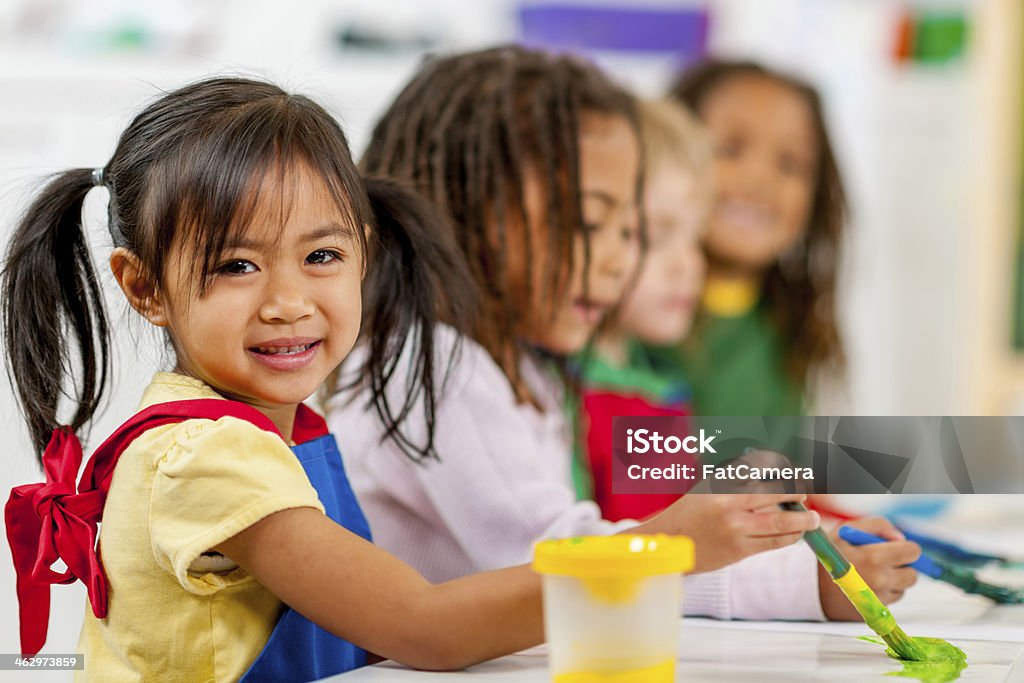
point(943, 661)
point(878, 617)
point(904, 646)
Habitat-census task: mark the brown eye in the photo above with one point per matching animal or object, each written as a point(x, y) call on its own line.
point(322, 256)
point(237, 267)
point(791, 165)
point(729, 149)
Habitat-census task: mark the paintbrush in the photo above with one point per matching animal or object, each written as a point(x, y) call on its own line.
point(876, 615)
point(963, 579)
point(950, 552)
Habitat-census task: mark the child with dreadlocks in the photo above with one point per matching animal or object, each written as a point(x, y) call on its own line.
point(536, 159)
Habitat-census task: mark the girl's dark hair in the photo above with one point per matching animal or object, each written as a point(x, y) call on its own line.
point(465, 132)
point(418, 278)
point(183, 173)
point(799, 292)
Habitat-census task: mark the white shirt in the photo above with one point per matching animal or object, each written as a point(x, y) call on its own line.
point(504, 481)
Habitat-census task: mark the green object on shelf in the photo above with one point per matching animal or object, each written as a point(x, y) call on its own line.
point(1018, 312)
point(939, 37)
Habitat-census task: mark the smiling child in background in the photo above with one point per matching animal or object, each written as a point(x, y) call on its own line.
point(767, 330)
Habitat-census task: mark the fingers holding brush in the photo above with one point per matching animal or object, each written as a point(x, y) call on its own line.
point(727, 528)
point(771, 521)
point(882, 565)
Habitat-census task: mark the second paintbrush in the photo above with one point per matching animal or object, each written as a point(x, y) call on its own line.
point(961, 578)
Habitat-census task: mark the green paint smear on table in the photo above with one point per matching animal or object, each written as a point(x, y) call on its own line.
point(944, 663)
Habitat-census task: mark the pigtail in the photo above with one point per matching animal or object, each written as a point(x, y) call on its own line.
point(417, 279)
point(52, 306)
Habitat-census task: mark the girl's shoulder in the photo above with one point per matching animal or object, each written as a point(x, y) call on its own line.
point(206, 431)
point(220, 452)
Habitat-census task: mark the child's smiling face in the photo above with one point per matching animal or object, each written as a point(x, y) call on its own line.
point(282, 307)
point(766, 160)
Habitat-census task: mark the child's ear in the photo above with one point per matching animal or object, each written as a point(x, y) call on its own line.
point(138, 286)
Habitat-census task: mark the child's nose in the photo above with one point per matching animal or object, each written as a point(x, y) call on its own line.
point(757, 171)
point(285, 302)
point(690, 260)
point(619, 259)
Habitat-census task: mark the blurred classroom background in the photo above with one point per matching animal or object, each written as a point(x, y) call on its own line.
point(923, 99)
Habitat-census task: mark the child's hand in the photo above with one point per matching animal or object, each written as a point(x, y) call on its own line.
point(726, 528)
point(881, 565)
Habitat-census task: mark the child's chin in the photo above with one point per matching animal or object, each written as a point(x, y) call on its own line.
point(665, 337)
point(288, 395)
point(568, 347)
point(565, 344)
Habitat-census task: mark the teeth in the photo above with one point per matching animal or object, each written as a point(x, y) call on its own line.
point(282, 350)
point(747, 212)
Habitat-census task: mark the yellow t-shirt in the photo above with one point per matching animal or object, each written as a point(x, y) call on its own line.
point(177, 491)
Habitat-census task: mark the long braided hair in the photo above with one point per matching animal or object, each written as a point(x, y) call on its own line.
point(468, 132)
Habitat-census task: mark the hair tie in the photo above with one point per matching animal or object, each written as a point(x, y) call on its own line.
point(115, 230)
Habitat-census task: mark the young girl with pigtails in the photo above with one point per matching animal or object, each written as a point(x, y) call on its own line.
point(231, 544)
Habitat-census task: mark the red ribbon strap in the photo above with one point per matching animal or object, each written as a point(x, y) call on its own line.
point(55, 520)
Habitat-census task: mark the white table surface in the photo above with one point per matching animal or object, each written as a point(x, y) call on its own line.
point(992, 636)
point(725, 651)
point(724, 655)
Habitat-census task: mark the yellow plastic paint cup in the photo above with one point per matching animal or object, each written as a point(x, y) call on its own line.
point(612, 606)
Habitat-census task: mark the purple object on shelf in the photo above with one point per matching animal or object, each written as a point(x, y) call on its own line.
point(628, 28)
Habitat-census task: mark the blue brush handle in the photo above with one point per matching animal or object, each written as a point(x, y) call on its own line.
point(924, 564)
point(949, 551)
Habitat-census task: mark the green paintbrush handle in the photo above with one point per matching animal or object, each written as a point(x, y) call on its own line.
point(827, 553)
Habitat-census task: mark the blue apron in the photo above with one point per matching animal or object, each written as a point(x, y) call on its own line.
point(298, 650)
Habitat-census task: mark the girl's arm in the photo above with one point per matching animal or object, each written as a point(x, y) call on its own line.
point(364, 595)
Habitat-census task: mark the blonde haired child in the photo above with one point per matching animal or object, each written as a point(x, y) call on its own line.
point(631, 369)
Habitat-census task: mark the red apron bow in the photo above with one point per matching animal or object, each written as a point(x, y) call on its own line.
point(54, 521)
